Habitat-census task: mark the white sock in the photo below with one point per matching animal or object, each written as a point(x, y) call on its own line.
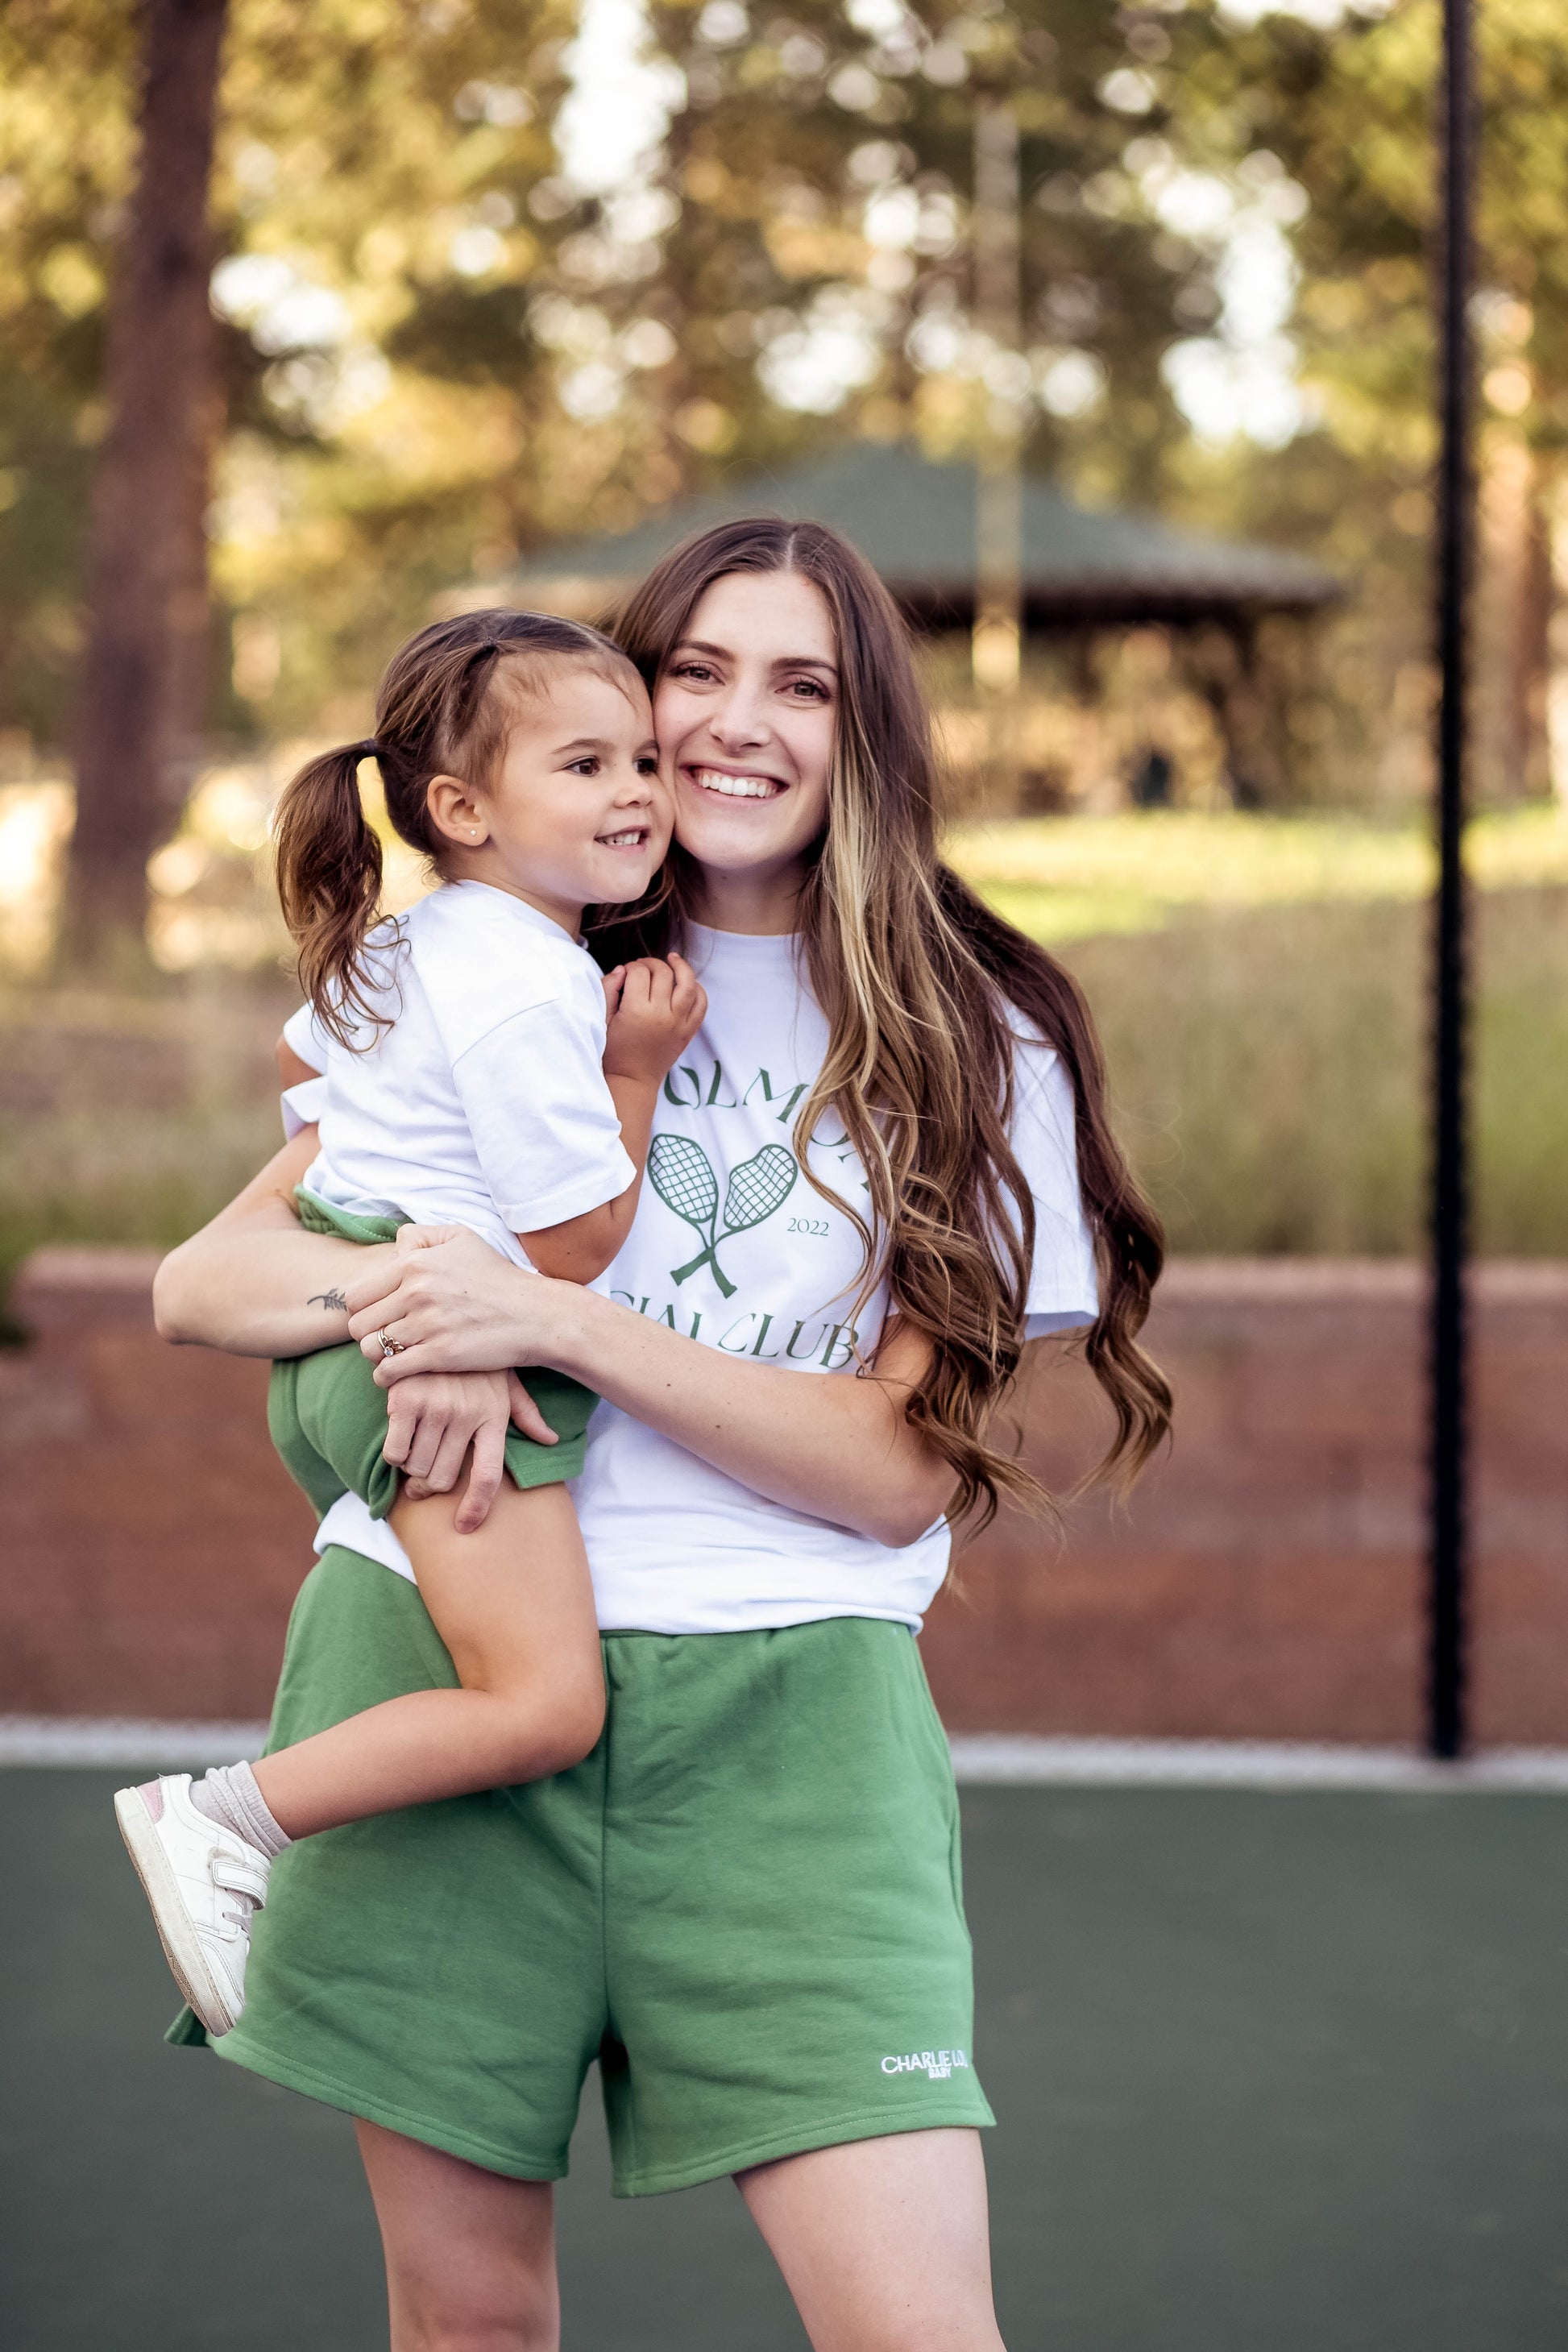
point(230, 1797)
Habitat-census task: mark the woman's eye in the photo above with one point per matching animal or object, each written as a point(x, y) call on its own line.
point(694, 673)
point(811, 689)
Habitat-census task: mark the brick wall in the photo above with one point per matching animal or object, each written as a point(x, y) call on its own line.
point(1264, 1583)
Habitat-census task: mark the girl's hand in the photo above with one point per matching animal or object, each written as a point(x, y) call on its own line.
point(660, 1008)
point(433, 1419)
point(450, 1303)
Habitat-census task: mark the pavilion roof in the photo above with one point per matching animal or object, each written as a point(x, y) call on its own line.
point(915, 520)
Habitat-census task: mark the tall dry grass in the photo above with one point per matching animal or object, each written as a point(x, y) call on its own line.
point(1267, 1068)
point(1269, 1072)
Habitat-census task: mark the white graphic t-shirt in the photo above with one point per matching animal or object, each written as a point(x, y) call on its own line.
point(481, 1101)
point(733, 1248)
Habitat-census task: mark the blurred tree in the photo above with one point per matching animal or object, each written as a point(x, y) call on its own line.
point(824, 162)
point(1347, 113)
point(146, 570)
point(450, 324)
point(66, 152)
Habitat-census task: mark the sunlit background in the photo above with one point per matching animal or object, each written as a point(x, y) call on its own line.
point(491, 276)
point(499, 289)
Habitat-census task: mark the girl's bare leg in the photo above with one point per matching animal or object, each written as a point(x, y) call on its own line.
point(470, 2255)
point(884, 2245)
point(514, 1605)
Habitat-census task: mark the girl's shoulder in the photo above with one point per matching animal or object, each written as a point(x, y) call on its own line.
point(476, 948)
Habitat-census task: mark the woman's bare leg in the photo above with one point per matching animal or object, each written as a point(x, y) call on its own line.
point(470, 2255)
point(884, 2245)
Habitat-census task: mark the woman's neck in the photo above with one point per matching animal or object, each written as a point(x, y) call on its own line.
point(759, 906)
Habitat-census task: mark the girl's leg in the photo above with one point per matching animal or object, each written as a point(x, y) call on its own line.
point(470, 2255)
point(883, 2243)
point(514, 1606)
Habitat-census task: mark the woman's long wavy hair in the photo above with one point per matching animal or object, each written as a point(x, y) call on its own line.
point(916, 977)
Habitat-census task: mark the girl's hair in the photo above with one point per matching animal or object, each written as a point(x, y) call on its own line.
point(918, 978)
point(445, 708)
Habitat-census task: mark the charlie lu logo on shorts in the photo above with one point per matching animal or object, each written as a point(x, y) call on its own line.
point(937, 2063)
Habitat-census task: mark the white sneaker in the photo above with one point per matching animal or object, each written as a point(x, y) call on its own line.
point(202, 1883)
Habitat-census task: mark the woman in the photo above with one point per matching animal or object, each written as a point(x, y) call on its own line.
point(884, 1162)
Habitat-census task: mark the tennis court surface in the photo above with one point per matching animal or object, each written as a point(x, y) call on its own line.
point(1274, 2072)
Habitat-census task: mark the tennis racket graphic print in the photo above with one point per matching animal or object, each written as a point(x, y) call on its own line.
point(682, 1175)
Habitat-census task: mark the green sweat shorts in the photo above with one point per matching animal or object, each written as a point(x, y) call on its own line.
point(328, 1418)
point(745, 1903)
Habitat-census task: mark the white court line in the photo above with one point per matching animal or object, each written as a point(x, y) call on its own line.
point(117, 1739)
point(1003, 1760)
point(995, 1759)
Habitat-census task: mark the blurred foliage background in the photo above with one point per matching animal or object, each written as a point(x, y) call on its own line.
point(491, 271)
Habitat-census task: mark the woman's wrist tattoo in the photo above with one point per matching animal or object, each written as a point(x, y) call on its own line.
point(333, 1300)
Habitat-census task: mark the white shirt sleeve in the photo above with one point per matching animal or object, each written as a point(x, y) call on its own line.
point(542, 1120)
point(302, 1104)
point(1064, 1290)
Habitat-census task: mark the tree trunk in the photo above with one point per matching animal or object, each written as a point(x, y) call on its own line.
point(141, 563)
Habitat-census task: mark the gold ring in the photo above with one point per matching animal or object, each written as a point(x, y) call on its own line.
point(389, 1347)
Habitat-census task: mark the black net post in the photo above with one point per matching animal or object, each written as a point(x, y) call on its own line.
point(1448, 1498)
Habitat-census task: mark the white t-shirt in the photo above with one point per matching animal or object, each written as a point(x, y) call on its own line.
point(484, 1103)
point(732, 1246)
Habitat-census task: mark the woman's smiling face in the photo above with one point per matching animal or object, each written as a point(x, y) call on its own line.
point(746, 713)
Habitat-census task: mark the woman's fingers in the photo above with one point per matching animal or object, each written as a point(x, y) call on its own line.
point(484, 1479)
point(389, 1266)
point(404, 1413)
point(458, 1303)
point(447, 1461)
point(418, 1237)
point(526, 1415)
point(425, 1447)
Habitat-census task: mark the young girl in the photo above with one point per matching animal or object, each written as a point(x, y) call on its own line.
point(473, 1078)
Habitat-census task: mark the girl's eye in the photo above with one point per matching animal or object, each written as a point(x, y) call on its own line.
point(588, 765)
point(647, 767)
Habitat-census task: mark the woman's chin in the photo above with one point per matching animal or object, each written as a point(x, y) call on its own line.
point(739, 836)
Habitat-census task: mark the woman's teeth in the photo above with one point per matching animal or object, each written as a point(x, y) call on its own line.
point(736, 788)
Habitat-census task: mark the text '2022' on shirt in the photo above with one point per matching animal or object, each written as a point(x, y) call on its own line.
point(732, 1247)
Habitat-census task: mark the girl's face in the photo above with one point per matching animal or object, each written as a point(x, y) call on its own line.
point(578, 815)
point(747, 716)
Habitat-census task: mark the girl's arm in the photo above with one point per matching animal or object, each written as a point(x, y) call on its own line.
point(839, 1449)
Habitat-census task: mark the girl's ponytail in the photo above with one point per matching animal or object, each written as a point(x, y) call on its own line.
point(329, 880)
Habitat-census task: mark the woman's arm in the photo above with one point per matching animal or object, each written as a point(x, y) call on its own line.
point(253, 1282)
point(839, 1449)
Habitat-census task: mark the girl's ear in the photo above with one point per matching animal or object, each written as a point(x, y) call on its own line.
point(456, 811)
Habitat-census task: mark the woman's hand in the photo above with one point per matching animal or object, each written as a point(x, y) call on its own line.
point(450, 1303)
point(434, 1418)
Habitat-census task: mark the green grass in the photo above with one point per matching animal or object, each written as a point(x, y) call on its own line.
point(1260, 984)
point(1074, 877)
point(130, 1118)
point(1269, 1073)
